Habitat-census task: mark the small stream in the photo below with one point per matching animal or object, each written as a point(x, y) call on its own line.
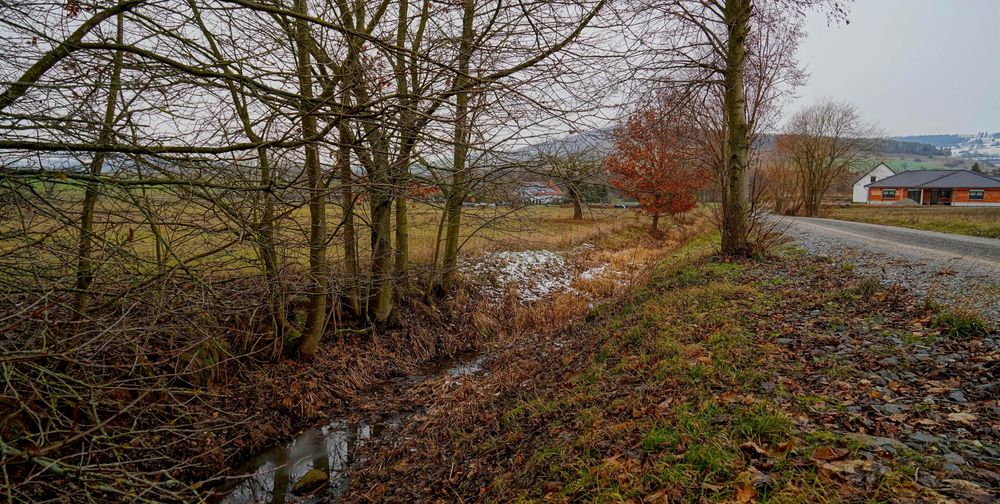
point(313, 467)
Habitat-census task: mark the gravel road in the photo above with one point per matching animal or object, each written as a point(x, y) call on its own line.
point(958, 270)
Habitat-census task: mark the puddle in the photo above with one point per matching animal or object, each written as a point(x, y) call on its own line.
point(472, 367)
point(271, 476)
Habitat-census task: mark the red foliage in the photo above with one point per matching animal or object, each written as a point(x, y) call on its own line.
point(655, 158)
point(419, 191)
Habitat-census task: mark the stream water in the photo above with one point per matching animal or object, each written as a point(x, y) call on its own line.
point(271, 476)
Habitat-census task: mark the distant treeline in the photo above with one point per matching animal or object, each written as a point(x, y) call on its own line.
point(935, 140)
point(887, 146)
point(893, 146)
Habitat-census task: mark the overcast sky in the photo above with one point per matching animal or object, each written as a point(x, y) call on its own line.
point(914, 66)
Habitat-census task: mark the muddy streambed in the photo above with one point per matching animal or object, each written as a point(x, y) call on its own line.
point(313, 466)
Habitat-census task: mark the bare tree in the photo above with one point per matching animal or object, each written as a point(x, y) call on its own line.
point(722, 46)
point(822, 143)
point(581, 172)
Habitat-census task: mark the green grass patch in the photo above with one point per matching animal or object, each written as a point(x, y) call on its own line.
point(970, 221)
point(960, 323)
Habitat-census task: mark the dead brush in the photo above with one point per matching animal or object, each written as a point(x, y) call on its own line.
point(554, 313)
point(600, 286)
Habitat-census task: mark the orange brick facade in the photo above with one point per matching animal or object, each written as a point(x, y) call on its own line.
point(958, 196)
point(962, 196)
point(875, 194)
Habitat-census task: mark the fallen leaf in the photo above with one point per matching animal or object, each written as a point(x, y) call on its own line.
point(962, 417)
point(827, 453)
point(755, 477)
point(745, 493)
point(710, 487)
point(750, 446)
point(657, 497)
point(841, 468)
point(782, 448)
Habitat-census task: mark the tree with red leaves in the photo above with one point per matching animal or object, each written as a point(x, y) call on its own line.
point(655, 159)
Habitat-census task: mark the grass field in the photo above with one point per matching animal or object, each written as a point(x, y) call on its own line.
point(906, 162)
point(214, 236)
point(983, 221)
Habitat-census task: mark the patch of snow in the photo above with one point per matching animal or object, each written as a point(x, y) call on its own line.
point(593, 273)
point(534, 273)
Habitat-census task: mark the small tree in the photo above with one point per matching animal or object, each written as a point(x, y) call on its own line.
point(780, 185)
point(579, 172)
point(654, 159)
point(976, 168)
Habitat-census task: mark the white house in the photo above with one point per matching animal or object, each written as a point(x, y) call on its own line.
point(540, 193)
point(880, 172)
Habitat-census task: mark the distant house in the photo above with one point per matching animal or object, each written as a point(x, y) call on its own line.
point(540, 193)
point(881, 171)
point(936, 187)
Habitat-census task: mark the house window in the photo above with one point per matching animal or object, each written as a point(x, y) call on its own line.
point(913, 194)
point(888, 194)
point(976, 194)
point(874, 178)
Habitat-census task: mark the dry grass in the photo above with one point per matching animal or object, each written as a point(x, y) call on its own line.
point(189, 229)
point(971, 221)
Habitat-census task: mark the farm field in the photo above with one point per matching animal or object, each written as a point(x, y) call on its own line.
point(984, 222)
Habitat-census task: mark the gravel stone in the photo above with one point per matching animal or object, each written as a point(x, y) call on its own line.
point(923, 438)
point(958, 396)
point(962, 271)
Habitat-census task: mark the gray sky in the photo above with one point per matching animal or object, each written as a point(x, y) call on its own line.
point(913, 66)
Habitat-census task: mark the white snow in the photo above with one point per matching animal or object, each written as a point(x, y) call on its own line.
point(534, 273)
point(593, 273)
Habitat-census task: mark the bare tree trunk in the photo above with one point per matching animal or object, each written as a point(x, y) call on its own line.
point(402, 237)
point(574, 193)
point(403, 168)
point(735, 217)
point(352, 295)
point(316, 314)
point(382, 254)
point(265, 227)
point(85, 264)
point(655, 228)
point(456, 195)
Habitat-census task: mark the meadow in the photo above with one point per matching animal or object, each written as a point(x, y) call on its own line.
point(154, 231)
point(906, 162)
point(971, 221)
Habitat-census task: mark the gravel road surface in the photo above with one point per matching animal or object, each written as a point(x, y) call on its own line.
point(958, 270)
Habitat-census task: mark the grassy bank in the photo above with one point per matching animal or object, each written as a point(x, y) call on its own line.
point(718, 382)
point(966, 221)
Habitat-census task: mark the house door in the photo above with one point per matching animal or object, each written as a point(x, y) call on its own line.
point(934, 196)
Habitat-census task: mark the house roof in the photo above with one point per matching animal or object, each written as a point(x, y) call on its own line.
point(937, 179)
point(540, 189)
point(869, 172)
point(915, 178)
point(963, 179)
